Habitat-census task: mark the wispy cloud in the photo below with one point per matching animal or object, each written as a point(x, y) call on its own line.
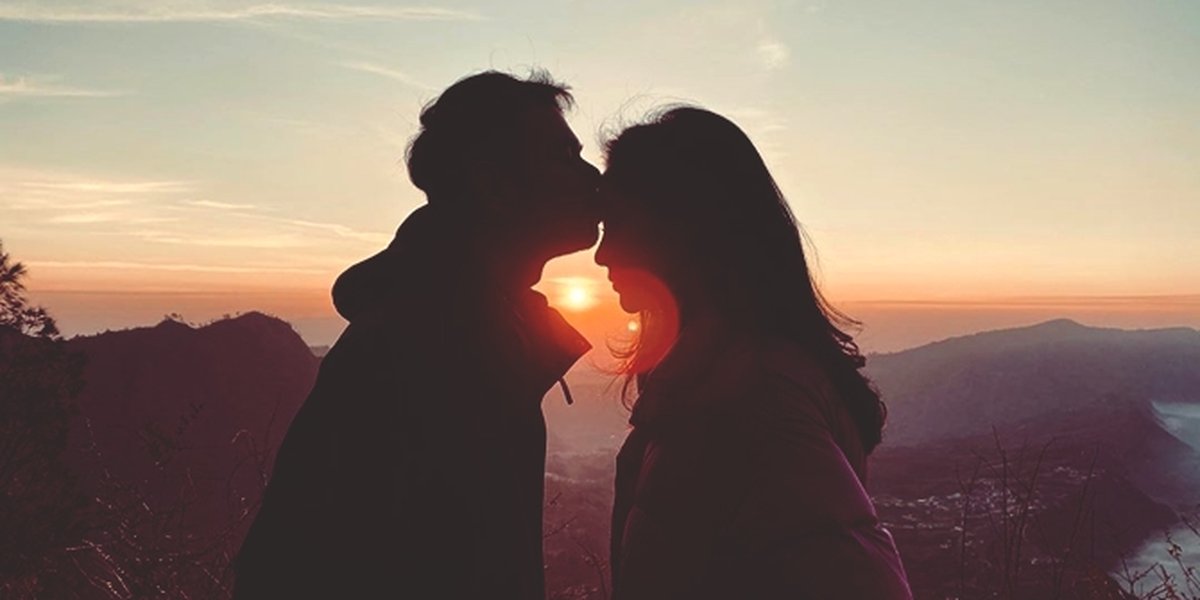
point(306, 127)
point(162, 212)
point(176, 12)
point(254, 240)
point(772, 53)
point(27, 203)
point(85, 218)
point(253, 213)
point(250, 226)
point(220, 205)
point(46, 87)
point(382, 71)
point(47, 190)
point(341, 231)
point(143, 266)
point(277, 233)
point(111, 187)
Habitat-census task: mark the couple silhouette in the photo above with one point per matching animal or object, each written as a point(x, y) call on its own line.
point(415, 468)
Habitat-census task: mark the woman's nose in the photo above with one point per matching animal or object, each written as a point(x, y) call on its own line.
point(604, 252)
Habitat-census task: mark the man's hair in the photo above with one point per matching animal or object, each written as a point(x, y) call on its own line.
point(477, 119)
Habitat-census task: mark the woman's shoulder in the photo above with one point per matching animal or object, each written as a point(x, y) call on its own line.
point(792, 392)
point(778, 370)
point(745, 379)
point(783, 385)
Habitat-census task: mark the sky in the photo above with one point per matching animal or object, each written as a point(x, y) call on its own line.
point(956, 166)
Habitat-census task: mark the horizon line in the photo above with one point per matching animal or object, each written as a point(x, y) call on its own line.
point(1183, 298)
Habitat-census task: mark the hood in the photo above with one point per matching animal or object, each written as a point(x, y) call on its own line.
point(364, 286)
point(372, 284)
point(426, 262)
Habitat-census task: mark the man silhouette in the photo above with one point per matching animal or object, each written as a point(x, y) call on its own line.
point(415, 467)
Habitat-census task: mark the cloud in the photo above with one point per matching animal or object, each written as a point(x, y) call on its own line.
point(306, 127)
point(393, 74)
point(249, 228)
point(46, 87)
point(44, 190)
point(220, 205)
point(58, 202)
point(110, 187)
point(86, 218)
point(250, 212)
point(33, 203)
point(174, 12)
point(196, 268)
point(261, 241)
point(341, 231)
point(772, 53)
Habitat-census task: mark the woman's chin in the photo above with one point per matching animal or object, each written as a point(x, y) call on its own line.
point(630, 304)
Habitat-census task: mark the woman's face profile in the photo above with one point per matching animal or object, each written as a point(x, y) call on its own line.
point(633, 252)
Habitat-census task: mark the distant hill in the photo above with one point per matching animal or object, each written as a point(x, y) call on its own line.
point(191, 414)
point(190, 417)
point(966, 385)
point(1079, 410)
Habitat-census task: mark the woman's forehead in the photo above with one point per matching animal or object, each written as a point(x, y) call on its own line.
point(615, 201)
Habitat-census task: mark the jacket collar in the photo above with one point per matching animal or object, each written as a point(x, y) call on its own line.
point(551, 344)
point(431, 265)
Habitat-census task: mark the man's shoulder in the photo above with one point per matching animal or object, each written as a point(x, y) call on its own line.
point(426, 326)
point(384, 329)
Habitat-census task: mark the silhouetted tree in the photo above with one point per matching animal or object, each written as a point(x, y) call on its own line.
point(42, 512)
point(15, 311)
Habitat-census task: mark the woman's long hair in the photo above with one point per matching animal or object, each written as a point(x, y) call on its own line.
point(696, 172)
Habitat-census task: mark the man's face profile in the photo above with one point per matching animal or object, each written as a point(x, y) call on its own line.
point(554, 187)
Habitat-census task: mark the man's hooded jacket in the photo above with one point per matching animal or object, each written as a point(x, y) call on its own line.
point(415, 467)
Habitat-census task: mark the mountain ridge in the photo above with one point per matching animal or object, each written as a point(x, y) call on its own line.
point(180, 407)
point(1061, 326)
point(967, 384)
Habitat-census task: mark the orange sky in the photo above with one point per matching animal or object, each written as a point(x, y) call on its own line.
point(955, 168)
point(889, 323)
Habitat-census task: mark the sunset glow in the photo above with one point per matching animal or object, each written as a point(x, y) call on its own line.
point(576, 294)
point(205, 157)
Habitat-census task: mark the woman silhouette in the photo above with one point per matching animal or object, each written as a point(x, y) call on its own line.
point(743, 474)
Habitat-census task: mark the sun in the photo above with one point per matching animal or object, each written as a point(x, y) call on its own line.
point(576, 294)
point(578, 297)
